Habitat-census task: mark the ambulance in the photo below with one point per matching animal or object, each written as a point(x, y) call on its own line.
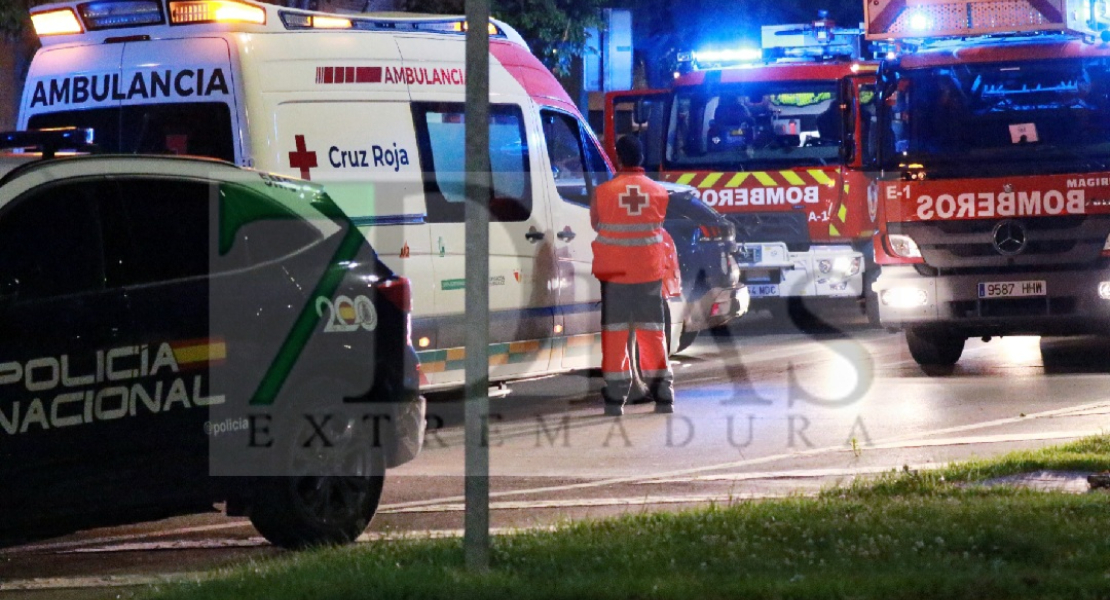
point(994, 187)
point(773, 139)
point(372, 106)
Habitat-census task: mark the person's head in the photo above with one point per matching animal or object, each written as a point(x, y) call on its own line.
point(629, 152)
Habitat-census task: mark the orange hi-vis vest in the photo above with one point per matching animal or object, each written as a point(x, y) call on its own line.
point(629, 213)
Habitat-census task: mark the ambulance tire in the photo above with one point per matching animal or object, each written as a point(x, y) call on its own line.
point(319, 508)
point(934, 348)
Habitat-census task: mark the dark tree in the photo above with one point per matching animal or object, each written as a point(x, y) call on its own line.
point(554, 29)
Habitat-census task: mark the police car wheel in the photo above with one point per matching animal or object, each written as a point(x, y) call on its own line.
point(333, 476)
point(934, 347)
point(307, 511)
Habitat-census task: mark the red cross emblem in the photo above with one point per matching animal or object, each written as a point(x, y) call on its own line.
point(302, 159)
point(633, 200)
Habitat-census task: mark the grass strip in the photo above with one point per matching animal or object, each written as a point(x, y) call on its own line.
point(908, 535)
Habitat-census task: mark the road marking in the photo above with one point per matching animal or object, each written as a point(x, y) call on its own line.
point(918, 437)
point(596, 502)
point(105, 581)
point(793, 474)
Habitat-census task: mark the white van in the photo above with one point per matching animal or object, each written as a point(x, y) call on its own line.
point(371, 106)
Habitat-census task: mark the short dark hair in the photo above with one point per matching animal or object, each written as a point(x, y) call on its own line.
point(629, 151)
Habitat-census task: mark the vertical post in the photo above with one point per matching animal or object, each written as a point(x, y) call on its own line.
point(478, 184)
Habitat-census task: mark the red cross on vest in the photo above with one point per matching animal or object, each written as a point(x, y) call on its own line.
point(633, 200)
point(302, 159)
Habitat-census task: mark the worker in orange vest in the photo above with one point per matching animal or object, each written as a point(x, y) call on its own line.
point(630, 261)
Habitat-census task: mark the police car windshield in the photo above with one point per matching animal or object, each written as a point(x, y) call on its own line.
point(197, 128)
point(754, 126)
point(1049, 116)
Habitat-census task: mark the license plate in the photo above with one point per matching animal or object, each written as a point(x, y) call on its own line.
point(750, 255)
point(1012, 289)
point(760, 291)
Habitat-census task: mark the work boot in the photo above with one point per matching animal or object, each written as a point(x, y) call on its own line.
point(664, 408)
point(613, 409)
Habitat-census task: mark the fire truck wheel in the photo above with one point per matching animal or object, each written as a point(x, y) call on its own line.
point(931, 347)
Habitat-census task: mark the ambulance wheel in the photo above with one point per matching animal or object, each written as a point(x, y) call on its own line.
point(331, 490)
point(930, 347)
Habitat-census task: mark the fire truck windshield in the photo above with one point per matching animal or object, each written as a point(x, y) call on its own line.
point(1035, 116)
point(754, 126)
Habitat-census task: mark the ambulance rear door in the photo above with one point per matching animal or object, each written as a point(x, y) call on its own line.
point(160, 96)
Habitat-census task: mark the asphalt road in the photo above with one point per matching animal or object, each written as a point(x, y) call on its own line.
point(762, 411)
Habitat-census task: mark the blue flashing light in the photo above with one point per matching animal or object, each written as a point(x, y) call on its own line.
point(733, 56)
point(109, 14)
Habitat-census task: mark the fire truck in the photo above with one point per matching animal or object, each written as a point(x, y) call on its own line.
point(771, 138)
point(993, 161)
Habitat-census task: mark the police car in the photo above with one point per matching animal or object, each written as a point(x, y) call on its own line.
point(180, 332)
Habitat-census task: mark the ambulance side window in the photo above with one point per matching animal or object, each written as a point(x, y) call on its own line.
point(50, 244)
point(576, 164)
point(441, 135)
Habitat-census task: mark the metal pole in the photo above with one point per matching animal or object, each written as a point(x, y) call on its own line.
point(478, 184)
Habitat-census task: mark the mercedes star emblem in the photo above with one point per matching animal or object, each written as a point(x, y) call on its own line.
point(1009, 237)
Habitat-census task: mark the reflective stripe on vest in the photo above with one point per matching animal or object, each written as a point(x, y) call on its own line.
point(629, 227)
point(629, 242)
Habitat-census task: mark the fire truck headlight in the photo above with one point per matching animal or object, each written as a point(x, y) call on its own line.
point(904, 297)
point(903, 246)
point(846, 267)
point(1104, 290)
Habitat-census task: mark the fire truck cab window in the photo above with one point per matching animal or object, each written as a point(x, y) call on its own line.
point(1046, 115)
point(761, 125)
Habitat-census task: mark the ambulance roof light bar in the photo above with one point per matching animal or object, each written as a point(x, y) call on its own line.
point(77, 17)
point(299, 20)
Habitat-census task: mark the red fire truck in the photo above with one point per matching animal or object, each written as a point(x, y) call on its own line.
point(993, 154)
point(776, 146)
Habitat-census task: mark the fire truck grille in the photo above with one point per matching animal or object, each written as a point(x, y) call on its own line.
point(1017, 244)
point(788, 227)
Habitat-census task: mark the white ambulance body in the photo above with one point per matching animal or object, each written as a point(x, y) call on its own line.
point(372, 107)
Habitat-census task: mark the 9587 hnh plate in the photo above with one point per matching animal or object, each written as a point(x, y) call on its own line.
point(1012, 289)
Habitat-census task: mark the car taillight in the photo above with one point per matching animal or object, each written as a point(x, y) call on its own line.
point(712, 233)
point(399, 293)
